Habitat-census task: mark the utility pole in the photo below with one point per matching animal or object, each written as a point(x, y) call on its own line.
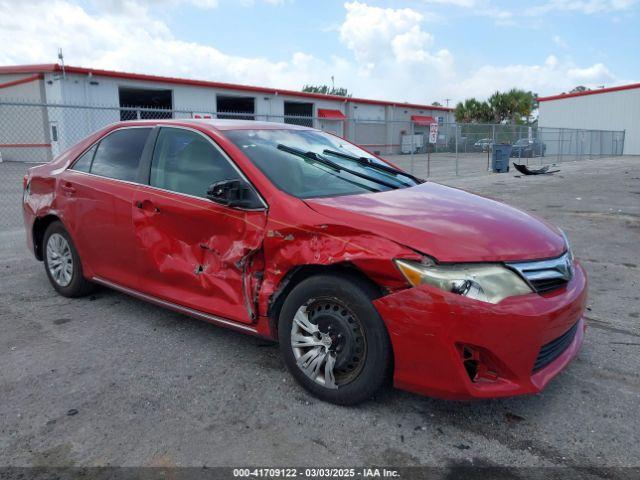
point(447, 100)
point(61, 58)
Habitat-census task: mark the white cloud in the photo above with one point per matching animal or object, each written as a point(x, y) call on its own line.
point(391, 54)
point(389, 42)
point(137, 43)
point(132, 6)
point(553, 76)
point(596, 74)
point(370, 31)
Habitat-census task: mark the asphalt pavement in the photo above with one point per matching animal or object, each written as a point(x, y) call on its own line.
point(109, 380)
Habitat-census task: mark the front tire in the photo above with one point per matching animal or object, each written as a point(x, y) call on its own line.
point(62, 263)
point(333, 340)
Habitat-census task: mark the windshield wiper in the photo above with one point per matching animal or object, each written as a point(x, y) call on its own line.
point(316, 157)
point(371, 163)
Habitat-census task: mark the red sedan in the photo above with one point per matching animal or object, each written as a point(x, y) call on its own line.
point(360, 270)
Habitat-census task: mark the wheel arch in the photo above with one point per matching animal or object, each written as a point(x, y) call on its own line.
point(40, 226)
point(299, 273)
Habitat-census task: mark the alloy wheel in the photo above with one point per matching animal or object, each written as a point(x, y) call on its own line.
point(328, 343)
point(59, 260)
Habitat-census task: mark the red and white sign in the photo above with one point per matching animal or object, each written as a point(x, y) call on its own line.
point(201, 115)
point(433, 133)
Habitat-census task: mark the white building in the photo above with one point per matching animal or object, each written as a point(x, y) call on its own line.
point(377, 125)
point(616, 108)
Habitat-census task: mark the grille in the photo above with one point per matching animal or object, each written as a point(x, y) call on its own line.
point(552, 350)
point(547, 284)
point(546, 275)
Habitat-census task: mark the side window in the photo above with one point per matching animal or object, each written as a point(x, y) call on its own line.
point(118, 154)
point(83, 164)
point(186, 162)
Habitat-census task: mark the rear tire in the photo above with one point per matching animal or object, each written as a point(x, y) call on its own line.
point(333, 340)
point(62, 263)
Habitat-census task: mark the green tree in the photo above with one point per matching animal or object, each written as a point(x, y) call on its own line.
point(326, 90)
point(579, 88)
point(436, 104)
point(472, 110)
point(514, 106)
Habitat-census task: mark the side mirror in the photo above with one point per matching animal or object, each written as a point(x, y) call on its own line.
point(234, 193)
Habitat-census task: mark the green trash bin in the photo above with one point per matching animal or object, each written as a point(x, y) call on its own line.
point(500, 157)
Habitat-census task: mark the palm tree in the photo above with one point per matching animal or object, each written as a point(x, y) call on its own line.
point(512, 106)
point(471, 110)
point(499, 107)
point(521, 103)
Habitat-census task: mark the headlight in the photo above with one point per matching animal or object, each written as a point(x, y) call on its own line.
point(566, 243)
point(485, 282)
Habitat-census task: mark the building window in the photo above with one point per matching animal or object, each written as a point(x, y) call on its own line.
point(240, 108)
point(145, 103)
point(295, 113)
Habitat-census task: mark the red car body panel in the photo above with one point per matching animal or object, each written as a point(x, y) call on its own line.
point(427, 326)
point(102, 208)
point(229, 266)
point(449, 224)
point(204, 248)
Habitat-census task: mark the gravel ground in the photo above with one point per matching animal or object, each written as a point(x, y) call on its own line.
point(110, 380)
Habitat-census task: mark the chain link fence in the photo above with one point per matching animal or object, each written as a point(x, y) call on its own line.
point(37, 133)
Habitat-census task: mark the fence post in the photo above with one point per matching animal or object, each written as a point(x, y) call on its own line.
point(580, 136)
point(613, 143)
point(353, 134)
point(561, 146)
point(533, 150)
point(412, 132)
point(456, 135)
point(490, 149)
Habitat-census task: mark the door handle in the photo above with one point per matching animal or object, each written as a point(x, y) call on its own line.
point(147, 205)
point(68, 187)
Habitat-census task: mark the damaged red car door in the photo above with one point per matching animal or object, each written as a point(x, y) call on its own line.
point(193, 251)
point(96, 194)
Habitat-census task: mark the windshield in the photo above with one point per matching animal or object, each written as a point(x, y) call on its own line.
point(310, 163)
point(523, 142)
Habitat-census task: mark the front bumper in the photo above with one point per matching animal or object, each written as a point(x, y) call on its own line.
point(432, 332)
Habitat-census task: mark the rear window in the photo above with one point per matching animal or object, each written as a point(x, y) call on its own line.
point(83, 164)
point(118, 154)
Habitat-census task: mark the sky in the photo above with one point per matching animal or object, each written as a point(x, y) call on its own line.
point(407, 50)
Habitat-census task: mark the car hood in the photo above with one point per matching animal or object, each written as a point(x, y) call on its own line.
point(448, 224)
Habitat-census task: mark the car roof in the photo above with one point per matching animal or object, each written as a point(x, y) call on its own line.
point(222, 124)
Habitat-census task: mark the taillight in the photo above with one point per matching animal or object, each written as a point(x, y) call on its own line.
point(25, 182)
